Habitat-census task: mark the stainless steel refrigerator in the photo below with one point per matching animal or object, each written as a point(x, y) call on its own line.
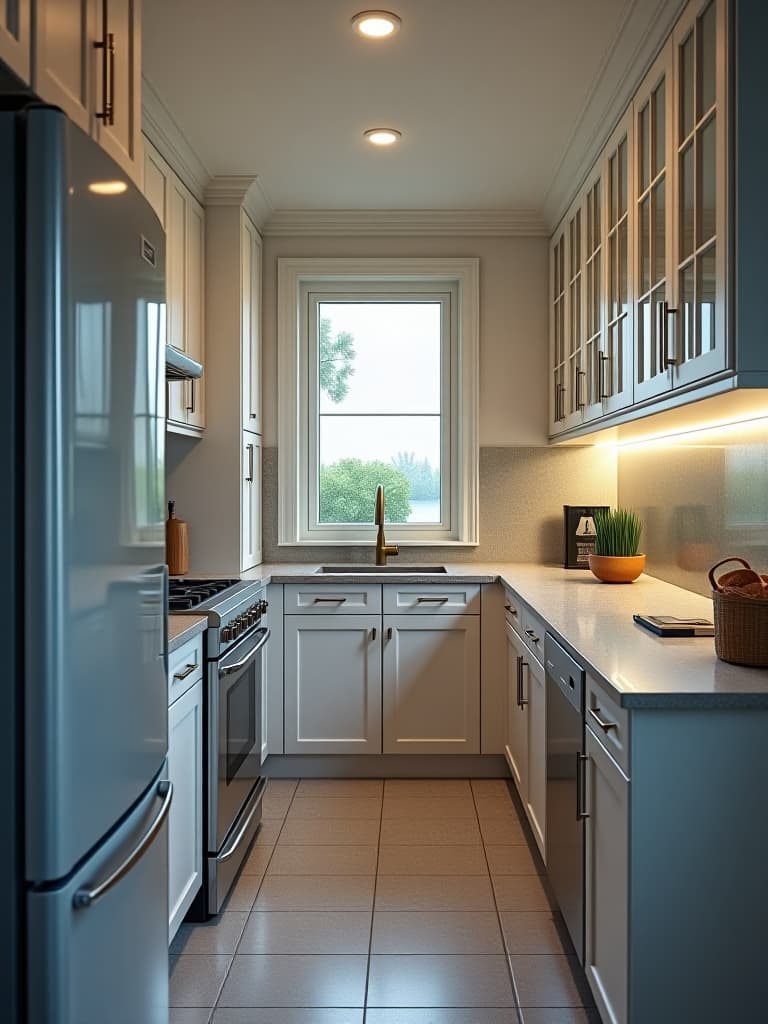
point(83, 737)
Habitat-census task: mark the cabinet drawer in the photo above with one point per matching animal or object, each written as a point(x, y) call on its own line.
point(434, 599)
point(513, 610)
point(609, 722)
point(185, 667)
point(533, 630)
point(321, 599)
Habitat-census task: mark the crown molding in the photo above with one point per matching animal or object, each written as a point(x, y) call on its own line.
point(243, 190)
point(407, 222)
point(638, 39)
point(163, 132)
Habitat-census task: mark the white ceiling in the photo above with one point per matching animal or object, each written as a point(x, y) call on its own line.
point(487, 93)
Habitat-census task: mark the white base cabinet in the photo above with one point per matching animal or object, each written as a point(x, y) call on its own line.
point(431, 684)
point(185, 821)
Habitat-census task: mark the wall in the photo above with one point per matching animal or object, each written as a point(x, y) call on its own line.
point(701, 500)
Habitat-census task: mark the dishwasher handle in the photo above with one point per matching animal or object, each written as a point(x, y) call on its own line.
point(581, 786)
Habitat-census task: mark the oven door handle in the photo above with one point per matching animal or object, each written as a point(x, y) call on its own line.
point(227, 853)
point(226, 670)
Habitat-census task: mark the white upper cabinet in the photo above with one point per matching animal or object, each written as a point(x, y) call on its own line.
point(250, 270)
point(250, 512)
point(15, 41)
point(87, 60)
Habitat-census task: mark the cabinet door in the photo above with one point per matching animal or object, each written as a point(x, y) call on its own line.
point(250, 267)
point(15, 41)
point(120, 134)
point(431, 686)
point(607, 889)
point(332, 684)
point(250, 513)
point(185, 821)
point(516, 748)
point(194, 290)
point(557, 331)
point(65, 59)
point(614, 368)
point(695, 344)
point(157, 176)
point(654, 205)
point(586, 392)
point(536, 803)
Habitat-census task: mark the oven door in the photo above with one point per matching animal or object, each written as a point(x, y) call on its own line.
point(234, 733)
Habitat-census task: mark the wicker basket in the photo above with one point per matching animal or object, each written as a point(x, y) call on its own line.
point(741, 624)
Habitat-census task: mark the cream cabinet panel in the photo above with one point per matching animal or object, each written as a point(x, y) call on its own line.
point(120, 133)
point(251, 326)
point(250, 515)
point(516, 746)
point(332, 684)
point(607, 882)
point(431, 686)
point(65, 59)
point(157, 177)
point(185, 820)
point(15, 40)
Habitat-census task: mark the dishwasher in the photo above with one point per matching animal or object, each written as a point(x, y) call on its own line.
point(565, 786)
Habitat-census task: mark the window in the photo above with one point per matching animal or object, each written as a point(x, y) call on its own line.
point(377, 384)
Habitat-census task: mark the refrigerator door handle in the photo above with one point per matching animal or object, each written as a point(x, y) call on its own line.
point(87, 897)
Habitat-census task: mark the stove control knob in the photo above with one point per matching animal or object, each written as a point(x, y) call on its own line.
point(262, 606)
point(226, 634)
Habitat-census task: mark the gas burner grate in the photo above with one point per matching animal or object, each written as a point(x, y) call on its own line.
point(188, 593)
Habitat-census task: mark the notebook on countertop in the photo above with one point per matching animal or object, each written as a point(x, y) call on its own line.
point(671, 625)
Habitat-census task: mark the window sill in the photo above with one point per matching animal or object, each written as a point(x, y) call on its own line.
point(372, 544)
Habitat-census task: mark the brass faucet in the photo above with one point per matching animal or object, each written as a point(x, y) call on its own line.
point(382, 548)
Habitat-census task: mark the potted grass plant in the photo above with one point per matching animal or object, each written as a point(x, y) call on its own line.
point(617, 539)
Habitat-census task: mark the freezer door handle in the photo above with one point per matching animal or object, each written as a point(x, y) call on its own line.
point(87, 897)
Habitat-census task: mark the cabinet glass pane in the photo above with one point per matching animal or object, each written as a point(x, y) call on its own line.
point(686, 201)
point(596, 296)
point(686, 88)
point(659, 129)
point(645, 245)
point(705, 227)
point(613, 185)
point(706, 294)
point(644, 130)
point(555, 273)
point(613, 283)
point(659, 231)
point(706, 74)
point(623, 178)
point(644, 341)
point(623, 263)
point(596, 194)
point(686, 314)
point(561, 328)
point(561, 287)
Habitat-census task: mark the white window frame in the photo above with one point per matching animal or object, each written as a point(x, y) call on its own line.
point(455, 283)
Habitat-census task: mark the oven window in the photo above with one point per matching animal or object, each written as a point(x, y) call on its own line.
point(241, 721)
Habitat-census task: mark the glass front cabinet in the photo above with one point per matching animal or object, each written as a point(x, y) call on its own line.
point(638, 265)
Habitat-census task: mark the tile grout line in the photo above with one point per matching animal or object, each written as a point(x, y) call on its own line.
point(515, 993)
point(373, 908)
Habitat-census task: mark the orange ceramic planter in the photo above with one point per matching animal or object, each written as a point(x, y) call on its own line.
point(615, 569)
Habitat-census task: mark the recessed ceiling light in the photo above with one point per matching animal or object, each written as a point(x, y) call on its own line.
point(108, 188)
point(376, 24)
point(382, 136)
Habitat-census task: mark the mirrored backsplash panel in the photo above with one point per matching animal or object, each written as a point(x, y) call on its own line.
point(702, 497)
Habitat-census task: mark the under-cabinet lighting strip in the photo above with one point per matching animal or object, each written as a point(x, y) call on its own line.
point(653, 440)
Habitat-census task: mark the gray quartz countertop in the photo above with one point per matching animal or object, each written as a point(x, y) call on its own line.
point(594, 620)
point(182, 628)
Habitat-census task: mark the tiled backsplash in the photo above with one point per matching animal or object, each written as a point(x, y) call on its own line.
point(522, 493)
point(700, 500)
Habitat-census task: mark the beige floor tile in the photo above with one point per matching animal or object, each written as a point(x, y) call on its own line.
point(413, 981)
point(282, 787)
point(268, 832)
point(330, 832)
point(257, 860)
point(316, 892)
point(220, 934)
point(490, 807)
point(323, 860)
point(437, 932)
point(502, 832)
point(424, 892)
point(533, 932)
point(288, 1015)
point(520, 892)
point(187, 1015)
point(243, 893)
point(426, 787)
point(429, 807)
point(308, 808)
point(275, 808)
point(307, 932)
point(563, 1015)
point(196, 980)
point(490, 787)
point(513, 860)
point(340, 787)
point(418, 831)
point(432, 860)
point(301, 981)
point(549, 981)
point(440, 1015)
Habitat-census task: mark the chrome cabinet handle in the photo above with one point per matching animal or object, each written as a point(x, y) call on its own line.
point(329, 600)
point(666, 357)
point(519, 680)
point(107, 44)
point(511, 609)
point(373, 633)
point(432, 600)
point(188, 670)
point(249, 449)
point(580, 403)
point(605, 726)
point(529, 633)
point(389, 633)
point(523, 664)
point(581, 787)
point(602, 359)
point(87, 897)
point(191, 406)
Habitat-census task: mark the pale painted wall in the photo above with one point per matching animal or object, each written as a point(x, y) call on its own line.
point(513, 323)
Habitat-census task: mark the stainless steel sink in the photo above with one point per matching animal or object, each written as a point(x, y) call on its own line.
point(394, 570)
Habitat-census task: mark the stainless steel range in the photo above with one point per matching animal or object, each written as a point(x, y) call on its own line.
point(235, 654)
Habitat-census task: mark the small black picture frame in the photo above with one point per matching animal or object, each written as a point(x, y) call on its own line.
point(579, 530)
